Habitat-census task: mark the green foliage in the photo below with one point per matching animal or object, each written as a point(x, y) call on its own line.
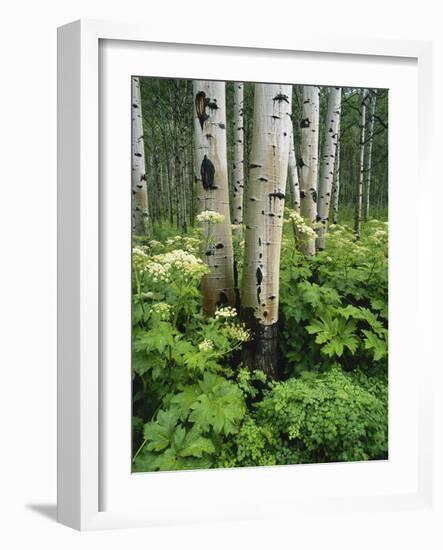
point(327, 417)
point(169, 446)
point(334, 306)
point(335, 333)
point(190, 428)
point(195, 406)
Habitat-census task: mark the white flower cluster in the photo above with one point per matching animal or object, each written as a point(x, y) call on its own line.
point(209, 216)
point(161, 308)
point(206, 345)
point(302, 228)
point(191, 244)
point(380, 233)
point(173, 240)
point(225, 313)
point(158, 272)
point(160, 267)
point(183, 261)
point(139, 258)
point(138, 251)
point(379, 236)
point(237, 332)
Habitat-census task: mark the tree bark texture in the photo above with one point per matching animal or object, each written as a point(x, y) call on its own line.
point(359, 197)
point(293, 173)
point(265, 198)
point(238, 165)
point(367, 189)
point(327, 165)
point(211, 174)
point(140, 212)
point(336, 185)
point(308, 162)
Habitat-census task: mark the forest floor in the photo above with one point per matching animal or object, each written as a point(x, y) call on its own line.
point(195, 406)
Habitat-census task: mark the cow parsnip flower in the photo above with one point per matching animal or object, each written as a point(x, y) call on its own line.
point(225, 313)
point(303, 229)
point(237, 332)
point(162, 309)
point(206, 345)
point(178, 260)
point(211, 217)
point(158, 272)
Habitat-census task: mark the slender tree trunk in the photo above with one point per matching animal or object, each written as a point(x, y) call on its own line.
point(211, 172)
point(140, 212)
point(328, 162)
point(184, 225)
point(238, 165)
point(359, 197)
point(265, 198)
point(178, 183)
point(168, 189)
point(156, 195)
point(369, 158)
point(293, 173)
point(336, 185)
point(308, 162)
point(191, 182)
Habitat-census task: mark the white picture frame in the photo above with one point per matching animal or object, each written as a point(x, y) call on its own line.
point(83, 400)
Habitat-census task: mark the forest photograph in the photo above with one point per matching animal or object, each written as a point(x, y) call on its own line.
point(259, 274)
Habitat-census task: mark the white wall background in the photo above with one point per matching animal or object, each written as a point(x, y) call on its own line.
point(28, 269)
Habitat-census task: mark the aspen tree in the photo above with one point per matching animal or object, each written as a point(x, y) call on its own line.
point(140, 212)
point(359, 198)
point(336, 185)
point(369, 158)
point(211, 174)
point(265, 198)
point(327, 165)
point(238, 167)
point(308, 163)
point(293, 173)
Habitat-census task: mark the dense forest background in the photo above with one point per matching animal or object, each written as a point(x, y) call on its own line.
point(167, 107)
point(260, 274)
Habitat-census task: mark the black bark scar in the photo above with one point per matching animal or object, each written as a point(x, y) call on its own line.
point(207, 172)
point(200, 107)
point(259, 276)
point(280, 98)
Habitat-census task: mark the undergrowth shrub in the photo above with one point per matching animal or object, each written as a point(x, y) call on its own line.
point(194, 406)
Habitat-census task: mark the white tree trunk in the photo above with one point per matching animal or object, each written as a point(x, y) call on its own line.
point(359, 199)
point(369, 159)
point(336, 185)
point(265, 198)
point(140, 212)
point(293, 173)
point(238, 168)
point(309, 162)
point(327, 166)
point(211, 172)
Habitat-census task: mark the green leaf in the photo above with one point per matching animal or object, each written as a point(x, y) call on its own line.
point(159, 434)
point(336, 334)
point(182, 351)
point(363, 314)
point(156, 339)
point(221, 406)
point(184, 400)
point(378, 346)
point(196, 445)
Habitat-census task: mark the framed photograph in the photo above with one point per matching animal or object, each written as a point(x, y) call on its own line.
point(232, 277)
